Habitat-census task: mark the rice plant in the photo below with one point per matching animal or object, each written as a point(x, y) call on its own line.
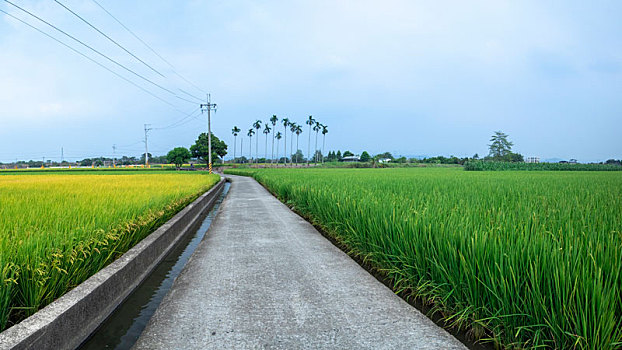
point(57, 230)
point(522, 259)
point(480, 165)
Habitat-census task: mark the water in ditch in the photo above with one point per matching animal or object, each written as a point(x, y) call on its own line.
point(122, 329)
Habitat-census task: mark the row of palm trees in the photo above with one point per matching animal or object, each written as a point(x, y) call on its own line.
point(288, 125)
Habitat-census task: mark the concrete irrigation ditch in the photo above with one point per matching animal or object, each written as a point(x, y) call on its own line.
point(68, 321)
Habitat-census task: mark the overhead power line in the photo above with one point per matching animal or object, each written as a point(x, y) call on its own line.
point(97, 63)
point(96, 51)
point(129, 145)
point(151, 49)
point(187, 93)
point(108, 37)
point(180, 122)
point(90, 59)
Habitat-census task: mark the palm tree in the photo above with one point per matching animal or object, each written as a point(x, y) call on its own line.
point(285, 122)
point(298, 132)
point(324, 132)
point(257, 125)
point(273, 120)
point(316, 128)
point(235, 132)
point(292, 128)
point(250, 134)
point(266, 131)
point(278, 140)
point(309, 122)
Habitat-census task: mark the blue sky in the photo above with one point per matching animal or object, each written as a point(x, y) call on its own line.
point(409, 77)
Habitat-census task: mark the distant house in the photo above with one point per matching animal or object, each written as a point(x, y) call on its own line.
point(572, 161)
point(351, 159)
point(532, 160)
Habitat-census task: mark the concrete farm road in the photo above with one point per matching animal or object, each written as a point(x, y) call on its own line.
point(263, 277)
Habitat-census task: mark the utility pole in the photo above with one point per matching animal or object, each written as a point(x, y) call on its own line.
point(208, 107)
point(114, 156)
point(147, 128)
point(62, 155)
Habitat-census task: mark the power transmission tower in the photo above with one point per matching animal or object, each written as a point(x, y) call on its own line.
point(147, 128)
point(208, 107)
point(114, 156)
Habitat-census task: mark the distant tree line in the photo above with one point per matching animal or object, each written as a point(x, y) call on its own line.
point(617, 162)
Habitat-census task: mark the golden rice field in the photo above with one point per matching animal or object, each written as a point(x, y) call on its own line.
point(58, 229)
point(523, 259)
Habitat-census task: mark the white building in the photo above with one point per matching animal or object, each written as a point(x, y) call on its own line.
point(351, 159)
point(532, 160)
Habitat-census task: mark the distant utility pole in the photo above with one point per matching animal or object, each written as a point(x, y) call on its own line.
point(62, 155)
point(114, 156)
point(208, 107)
point(147, 128)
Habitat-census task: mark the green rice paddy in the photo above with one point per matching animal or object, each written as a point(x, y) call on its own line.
point(522, 259)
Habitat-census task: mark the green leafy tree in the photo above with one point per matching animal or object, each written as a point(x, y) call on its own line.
point(200, 148)
point(385, 155)
point(298, 157)
point(278, 138)
point(346, 154)
point(235, 131)
point(158, 160)
point(240, 159)
point(324, 132)
point(339, 156)
point(332, 156)
point(309, 122)
point(274, 119)
point(499, 146)
point(292, 129)
point(317, 127)
point(317, 155)
point(298, 132)
point(178, 156)
point(266, 131)
point(257, 126)
point(365, 157)
point(513, 157)
point(285, 122)
point(250, 134)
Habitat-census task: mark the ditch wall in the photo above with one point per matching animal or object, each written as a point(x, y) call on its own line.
point(69, 320)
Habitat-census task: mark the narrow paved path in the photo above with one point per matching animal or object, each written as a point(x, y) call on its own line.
point(265, 278)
